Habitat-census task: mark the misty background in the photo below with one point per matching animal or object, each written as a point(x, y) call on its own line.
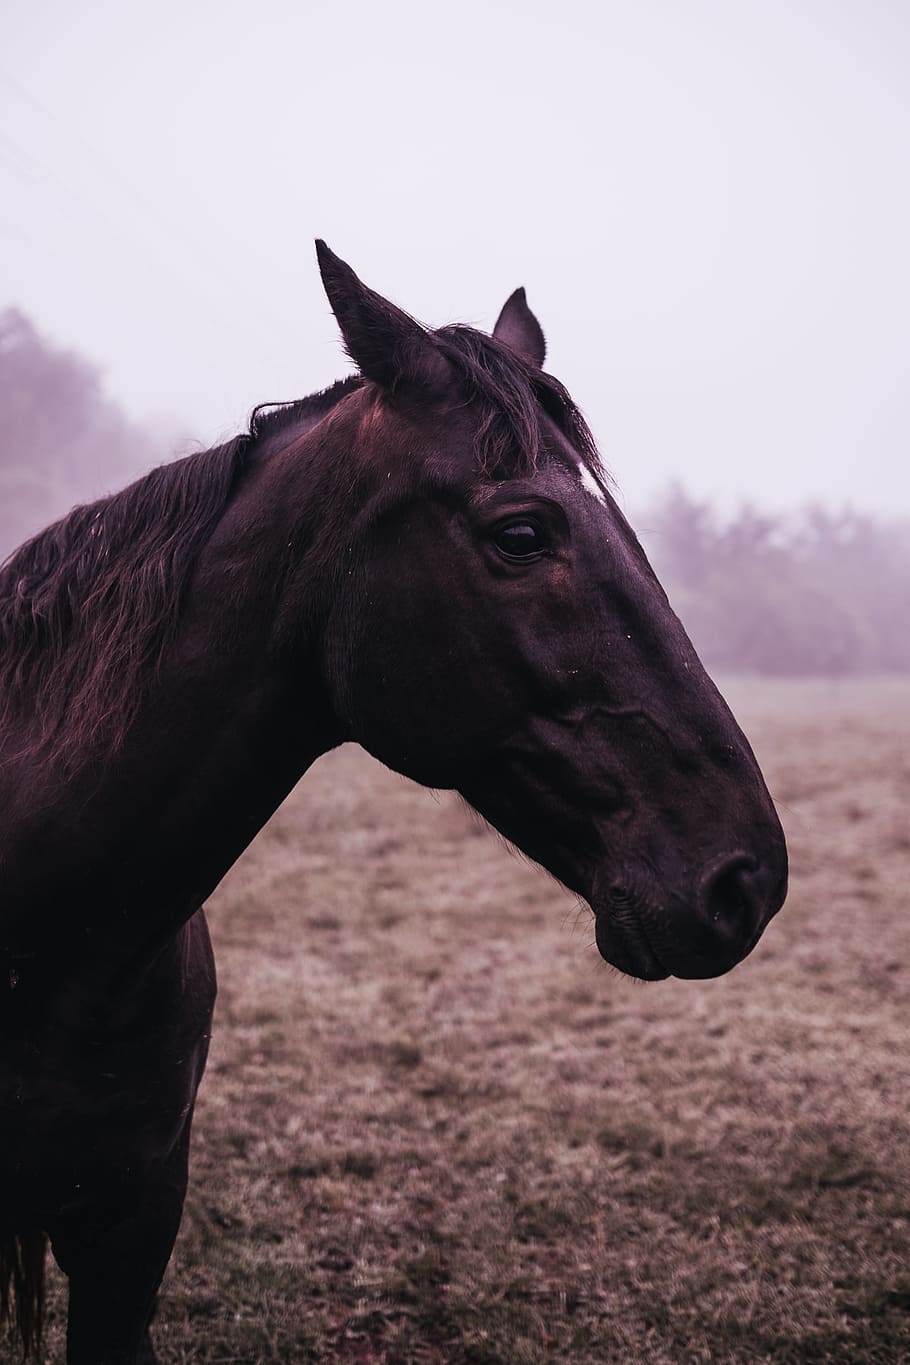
point(708, 204)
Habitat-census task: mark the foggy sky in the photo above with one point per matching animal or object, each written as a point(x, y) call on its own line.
point(708, 203)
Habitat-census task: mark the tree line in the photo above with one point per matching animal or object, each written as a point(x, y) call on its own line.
point(813, 593)
point(62, 440)
point(816, 592)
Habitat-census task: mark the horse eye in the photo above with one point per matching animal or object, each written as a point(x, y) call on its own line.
point(520, 540)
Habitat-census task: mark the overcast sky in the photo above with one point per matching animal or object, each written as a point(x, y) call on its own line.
point(707, 200)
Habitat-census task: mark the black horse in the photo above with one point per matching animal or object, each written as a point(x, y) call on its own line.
point(424, 558)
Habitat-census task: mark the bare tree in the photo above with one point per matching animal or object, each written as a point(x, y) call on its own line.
point(816, 593)
point(62, 441)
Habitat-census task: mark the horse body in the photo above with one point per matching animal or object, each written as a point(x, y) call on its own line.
point(425, 560)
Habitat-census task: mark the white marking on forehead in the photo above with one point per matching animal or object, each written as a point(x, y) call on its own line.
point(590, 484)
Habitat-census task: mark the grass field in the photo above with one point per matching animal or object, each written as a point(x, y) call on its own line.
point(437, 1128)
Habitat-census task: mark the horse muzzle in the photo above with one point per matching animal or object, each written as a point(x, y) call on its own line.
point(651, 935)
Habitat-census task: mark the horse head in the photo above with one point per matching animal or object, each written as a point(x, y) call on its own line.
point(496, 629)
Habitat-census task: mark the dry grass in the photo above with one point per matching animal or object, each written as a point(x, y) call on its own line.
point(436, 1128)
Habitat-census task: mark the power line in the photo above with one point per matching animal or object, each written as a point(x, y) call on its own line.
point(96, 285)
point(174, 228)
point(35, 169)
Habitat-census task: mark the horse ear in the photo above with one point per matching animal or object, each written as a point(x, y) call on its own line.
point(518, 328)
point(388, 345)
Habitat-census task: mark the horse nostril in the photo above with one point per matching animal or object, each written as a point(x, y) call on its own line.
point(729, 900)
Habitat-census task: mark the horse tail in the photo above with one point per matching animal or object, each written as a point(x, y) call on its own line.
point(22, 1285)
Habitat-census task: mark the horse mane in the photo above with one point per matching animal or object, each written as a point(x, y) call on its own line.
point(511, 394)
point(271, 419)
point(88, 606)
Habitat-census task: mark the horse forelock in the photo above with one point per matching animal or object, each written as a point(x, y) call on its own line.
point(513, 396)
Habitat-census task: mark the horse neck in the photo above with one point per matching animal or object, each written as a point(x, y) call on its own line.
point(134, 846)
point(242, 714)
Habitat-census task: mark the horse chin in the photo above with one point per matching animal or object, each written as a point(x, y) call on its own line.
point(622, 941)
